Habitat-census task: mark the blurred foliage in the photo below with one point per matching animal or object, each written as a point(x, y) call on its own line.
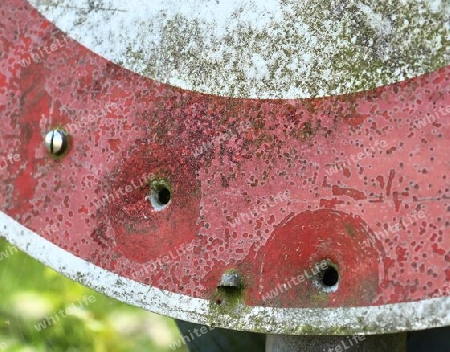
point(30, 292)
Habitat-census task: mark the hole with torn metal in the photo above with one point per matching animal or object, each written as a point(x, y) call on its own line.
point(230, 288)
point(230, 282)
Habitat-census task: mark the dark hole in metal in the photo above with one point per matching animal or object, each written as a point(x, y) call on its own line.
point(164, 196)
point(330, 277)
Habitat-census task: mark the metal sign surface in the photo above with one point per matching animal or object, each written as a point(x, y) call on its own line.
point(317, 214)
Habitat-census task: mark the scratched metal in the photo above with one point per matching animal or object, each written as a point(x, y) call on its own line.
point(253, 182)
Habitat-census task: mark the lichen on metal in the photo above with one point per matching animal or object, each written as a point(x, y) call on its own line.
point(266, 188)
point(263, 49)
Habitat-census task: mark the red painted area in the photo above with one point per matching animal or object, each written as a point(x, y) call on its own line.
point(257, 185)
point(135, 221)
point(292, 257)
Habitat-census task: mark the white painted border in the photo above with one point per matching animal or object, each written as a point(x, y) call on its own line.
point(259, 48)
point(368, 320)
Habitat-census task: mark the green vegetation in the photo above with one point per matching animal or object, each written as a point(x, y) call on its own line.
point(31, 292)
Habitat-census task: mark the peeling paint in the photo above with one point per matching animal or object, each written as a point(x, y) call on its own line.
point(144, 127)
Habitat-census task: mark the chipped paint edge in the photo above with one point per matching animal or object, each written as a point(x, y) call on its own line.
point(368, 320)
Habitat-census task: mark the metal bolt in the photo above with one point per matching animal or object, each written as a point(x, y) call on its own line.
point(230, 279)
point(56, 142)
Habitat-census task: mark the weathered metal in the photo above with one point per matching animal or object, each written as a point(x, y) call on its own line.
point(163, 190)
point(377, 343)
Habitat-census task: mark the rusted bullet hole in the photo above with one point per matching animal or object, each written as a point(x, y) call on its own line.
point(229, 290)
point(327, 278)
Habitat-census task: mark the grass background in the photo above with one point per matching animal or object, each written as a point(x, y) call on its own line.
point(29, 292)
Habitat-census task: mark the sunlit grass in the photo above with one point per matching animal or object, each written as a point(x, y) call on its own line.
point(30, 292)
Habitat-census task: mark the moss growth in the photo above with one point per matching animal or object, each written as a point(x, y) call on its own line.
point(358, 47)
point(228, 301)
point(350, 230)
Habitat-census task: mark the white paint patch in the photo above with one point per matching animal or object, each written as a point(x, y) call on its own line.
point(376, 20)
point(349, 320)
point(262, 49)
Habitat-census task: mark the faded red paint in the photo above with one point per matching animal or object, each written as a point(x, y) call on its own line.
point(226, 159)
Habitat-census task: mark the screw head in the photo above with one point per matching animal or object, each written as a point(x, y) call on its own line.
point(56, 142)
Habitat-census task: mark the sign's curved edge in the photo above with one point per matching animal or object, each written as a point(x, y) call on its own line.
point(368, 320)
point(203, 64)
